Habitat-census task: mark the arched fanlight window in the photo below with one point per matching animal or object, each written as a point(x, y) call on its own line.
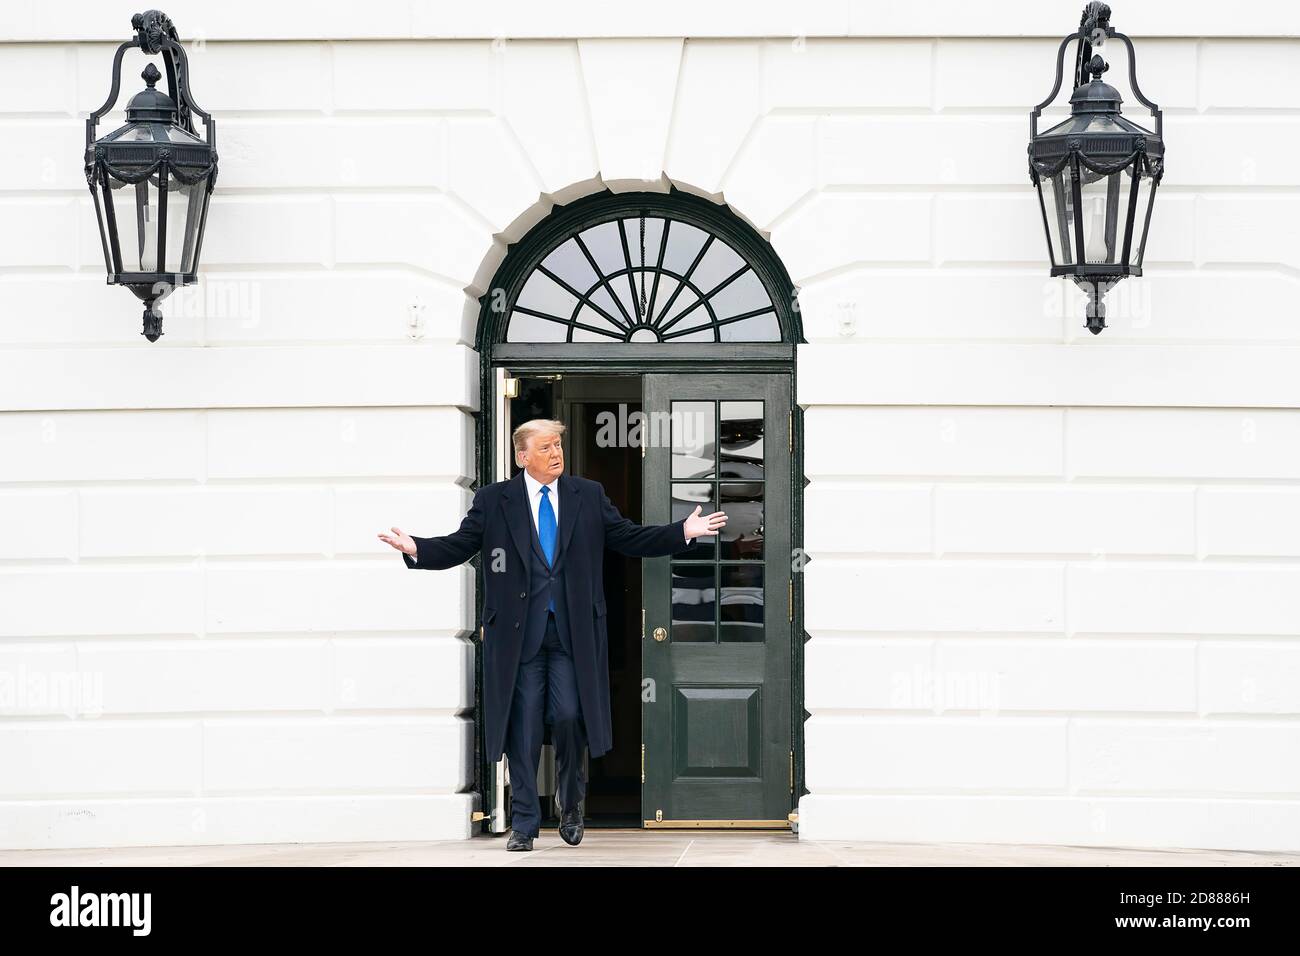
point(643, 268)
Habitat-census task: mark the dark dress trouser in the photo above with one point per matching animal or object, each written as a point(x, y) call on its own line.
point(546, 690)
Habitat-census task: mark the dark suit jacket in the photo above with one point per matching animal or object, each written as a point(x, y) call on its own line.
point(498, 527)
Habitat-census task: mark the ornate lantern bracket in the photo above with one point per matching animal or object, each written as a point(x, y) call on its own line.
point(1094, 26)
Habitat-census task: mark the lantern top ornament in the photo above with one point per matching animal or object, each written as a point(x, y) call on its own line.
point(151, 105)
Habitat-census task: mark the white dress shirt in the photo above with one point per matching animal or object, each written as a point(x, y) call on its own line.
point(535, 503)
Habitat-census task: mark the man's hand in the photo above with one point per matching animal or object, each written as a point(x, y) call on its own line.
point(401, 541)
point(698, 526)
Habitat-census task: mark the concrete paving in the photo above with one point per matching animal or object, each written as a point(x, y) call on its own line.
point(641, 848)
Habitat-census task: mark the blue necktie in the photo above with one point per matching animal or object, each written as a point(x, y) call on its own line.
point(546, 530)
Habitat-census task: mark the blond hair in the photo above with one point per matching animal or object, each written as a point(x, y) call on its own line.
point(534, 426)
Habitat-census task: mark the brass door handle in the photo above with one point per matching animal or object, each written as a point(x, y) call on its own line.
point(660, 634)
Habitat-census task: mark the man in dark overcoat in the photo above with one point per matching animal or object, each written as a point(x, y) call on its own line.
point(541, 537)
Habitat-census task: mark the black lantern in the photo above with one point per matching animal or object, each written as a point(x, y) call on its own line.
point(151, 179)
point(1097, 172)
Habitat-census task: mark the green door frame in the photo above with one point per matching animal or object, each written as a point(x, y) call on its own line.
point(639, 358)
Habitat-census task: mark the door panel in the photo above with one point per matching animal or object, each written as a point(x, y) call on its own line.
point(716, 641)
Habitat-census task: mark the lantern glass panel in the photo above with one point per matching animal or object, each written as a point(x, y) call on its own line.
point(1040, 186)
point(1100, 195)
point(1101, 123)
point(1141, 218)
point(1058, 203)
point(135, 207)
point(184, 209)
point(1105, 214)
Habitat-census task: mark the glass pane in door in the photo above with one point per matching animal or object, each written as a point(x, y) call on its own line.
point(741, 602)
point(685, 499)
point(742, 536)
point(694, 602)
point(740, 429)
point(693, 439)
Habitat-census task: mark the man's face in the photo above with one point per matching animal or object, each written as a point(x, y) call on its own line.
point(543, 456)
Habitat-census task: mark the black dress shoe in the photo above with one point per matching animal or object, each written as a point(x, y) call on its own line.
point(517, 841)
point(571, 826)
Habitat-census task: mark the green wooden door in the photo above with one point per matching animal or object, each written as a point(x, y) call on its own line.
point(715, 713)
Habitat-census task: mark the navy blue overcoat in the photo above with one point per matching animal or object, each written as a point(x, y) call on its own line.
point(498, 527)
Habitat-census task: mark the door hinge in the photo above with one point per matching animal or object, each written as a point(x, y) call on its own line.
point(789, 600)
point(792, 771)
point(480, 633)
point(643, 624)
point(643, 763)
point(789, 432)
point(643, 448)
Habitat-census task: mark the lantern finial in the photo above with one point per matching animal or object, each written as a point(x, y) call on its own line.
point(152, 323)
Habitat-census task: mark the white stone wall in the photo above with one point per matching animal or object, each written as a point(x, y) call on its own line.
point(1055, 588)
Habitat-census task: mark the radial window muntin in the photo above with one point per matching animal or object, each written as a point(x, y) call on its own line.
point(700, 278)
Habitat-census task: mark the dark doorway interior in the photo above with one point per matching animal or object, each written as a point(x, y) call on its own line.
point(614, 780)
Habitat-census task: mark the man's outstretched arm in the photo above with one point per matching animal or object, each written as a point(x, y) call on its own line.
point(449, 550)
point(648, 541)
